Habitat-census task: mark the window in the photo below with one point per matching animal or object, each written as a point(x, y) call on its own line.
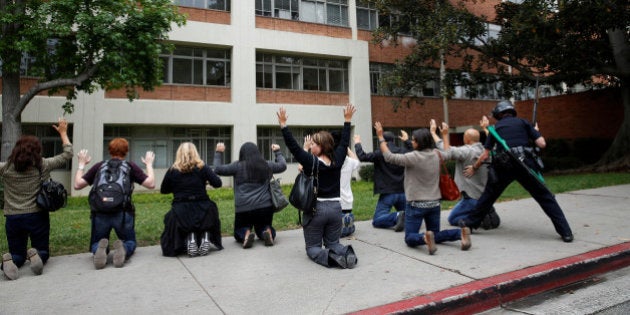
point(377, 71)
point(263, 7)
point(492, 32)
point(270, 135)
point(199, 66)
point(367, 16)
point(396, 20)
point(301, 73)
point(164, 141)
point(332, 12)
point(482, 91)
point(223, 5)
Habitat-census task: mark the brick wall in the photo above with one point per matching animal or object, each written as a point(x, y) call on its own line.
point(27, 83)
point(300, 97)
point(461, 112)
point(180, 93)
point(479, 8)
point(278, 24)
point(594, 114)
point(205, 15)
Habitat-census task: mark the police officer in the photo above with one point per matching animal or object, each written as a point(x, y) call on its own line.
point(517, 133)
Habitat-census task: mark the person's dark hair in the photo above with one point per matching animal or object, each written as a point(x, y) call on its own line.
point(327, 144)
point(389, 136)
point(26, 153)
point(256, 168)
point(423, 139)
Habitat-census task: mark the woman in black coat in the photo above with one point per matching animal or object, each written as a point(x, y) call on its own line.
point(193, 218)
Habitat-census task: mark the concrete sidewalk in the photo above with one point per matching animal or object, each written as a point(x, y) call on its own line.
point(523, 256)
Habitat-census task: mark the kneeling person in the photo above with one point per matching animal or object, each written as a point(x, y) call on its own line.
point(113, 208)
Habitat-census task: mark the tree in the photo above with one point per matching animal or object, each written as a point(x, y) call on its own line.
point(558, 42)
point(78, 45)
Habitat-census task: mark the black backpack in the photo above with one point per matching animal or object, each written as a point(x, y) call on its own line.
point(112, 187)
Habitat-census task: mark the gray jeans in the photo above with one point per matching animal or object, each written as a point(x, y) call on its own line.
point(324, 226)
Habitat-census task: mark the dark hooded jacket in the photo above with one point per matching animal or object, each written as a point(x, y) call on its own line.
point(388, 178)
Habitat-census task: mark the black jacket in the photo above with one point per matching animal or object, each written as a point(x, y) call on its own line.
point(388, 178)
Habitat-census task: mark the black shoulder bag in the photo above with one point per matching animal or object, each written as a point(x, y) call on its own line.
point(52, 195)
point(303, 194)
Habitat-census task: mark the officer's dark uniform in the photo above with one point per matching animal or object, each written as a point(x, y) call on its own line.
point(516, 132)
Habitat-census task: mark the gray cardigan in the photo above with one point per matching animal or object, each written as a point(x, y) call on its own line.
point(422, 173)
point(249, 196)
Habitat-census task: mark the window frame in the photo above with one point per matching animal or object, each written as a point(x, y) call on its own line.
point(273, 62)
point(199, 57)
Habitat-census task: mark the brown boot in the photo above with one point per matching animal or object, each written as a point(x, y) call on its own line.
point(429, 239)
point(466, 238)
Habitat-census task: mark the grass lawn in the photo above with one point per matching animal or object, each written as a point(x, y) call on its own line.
point(70, 226)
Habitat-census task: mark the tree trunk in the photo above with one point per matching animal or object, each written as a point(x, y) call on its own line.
point(11, 123)
point(618, 155)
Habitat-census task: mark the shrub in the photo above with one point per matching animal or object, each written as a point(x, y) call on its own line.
point(366, 172)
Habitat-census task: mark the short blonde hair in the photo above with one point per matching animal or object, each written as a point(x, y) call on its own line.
point(187, 158)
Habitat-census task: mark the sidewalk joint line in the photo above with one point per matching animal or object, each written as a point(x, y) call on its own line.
point(455, 271)
point(201, 286)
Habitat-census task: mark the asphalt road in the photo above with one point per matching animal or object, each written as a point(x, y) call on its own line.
point(605, 294)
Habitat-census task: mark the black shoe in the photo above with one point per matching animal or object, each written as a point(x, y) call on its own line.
point(491, 220)
point(567, 238)
point(400, 222)
point(249, 239)
point(462, 224)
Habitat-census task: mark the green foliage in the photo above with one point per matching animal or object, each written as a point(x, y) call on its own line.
point(562, 154)
point(557, 41)
point(77, 45)
point(366, 172)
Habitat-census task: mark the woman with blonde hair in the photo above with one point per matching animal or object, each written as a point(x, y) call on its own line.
point(193, 218)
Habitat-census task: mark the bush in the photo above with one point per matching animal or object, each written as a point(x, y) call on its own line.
point(563, 154)
point(366, 172)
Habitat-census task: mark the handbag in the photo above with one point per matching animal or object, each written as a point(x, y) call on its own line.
point(448, 188)
point(278, 199)
point(303, 194)
point(52, 195)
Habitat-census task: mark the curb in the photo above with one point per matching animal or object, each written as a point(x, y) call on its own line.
point(491, 292)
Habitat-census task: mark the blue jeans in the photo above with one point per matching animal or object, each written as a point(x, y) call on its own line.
point(122, 223)
point(382, 217)
point(462, 209)
point(20, 227)
point(431, 217)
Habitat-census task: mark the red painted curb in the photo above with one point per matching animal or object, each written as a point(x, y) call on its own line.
point(484, 294)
